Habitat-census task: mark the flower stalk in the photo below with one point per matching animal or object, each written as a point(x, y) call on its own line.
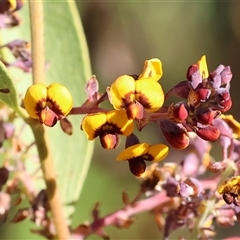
point(39, 131)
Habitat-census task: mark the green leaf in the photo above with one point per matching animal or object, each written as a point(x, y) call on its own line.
point(8, 93)
point(67, 62)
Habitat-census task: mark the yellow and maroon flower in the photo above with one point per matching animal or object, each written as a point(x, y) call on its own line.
point(107, 125)
point(137, 95)
point(230, 190)
point(48, 104)
point(137, 154)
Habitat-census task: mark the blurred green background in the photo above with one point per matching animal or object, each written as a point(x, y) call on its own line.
point(121, 35)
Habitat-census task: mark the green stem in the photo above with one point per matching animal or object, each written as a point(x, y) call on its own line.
point(39, 131)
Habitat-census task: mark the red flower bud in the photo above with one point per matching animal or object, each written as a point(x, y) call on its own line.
point(175, 134)
point(180, 112)
point(210, 133)
point(205, 116)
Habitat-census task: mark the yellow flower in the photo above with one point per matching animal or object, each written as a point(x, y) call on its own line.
point(230, 190)
point(233, 124)
point(137, 154)
point(107, 125)
point(153, 153)
point(137, 95)
point(202, 65)
point(48, 104)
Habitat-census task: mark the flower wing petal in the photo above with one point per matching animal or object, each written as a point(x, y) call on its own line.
point(35, 99)
point(120, 119)
point(158, 152)
point(149, 93)
point(61, 98)
point(134, 151)
point(93, 122)
point(121, 92)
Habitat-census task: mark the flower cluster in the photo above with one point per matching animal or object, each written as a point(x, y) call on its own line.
point(140, 99)
point(174, 189)
point(206, 96)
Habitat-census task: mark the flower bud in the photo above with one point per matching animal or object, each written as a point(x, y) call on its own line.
point(210, 133)
point(203, 94)
point(176, 135)
point(226, 75)
point(191, 70)
point(66, 126)
point(180, 112)
point(205, 116)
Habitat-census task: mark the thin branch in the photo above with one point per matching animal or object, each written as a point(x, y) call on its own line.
point(125, 213)
point(40, 133)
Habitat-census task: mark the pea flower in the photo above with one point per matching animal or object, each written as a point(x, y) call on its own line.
point(107, 125)
point(137, 154)
point(138, 93)
point(230, 190)
point(48, 104)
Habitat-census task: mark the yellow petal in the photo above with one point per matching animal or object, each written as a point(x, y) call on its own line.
point(121, 92)
point(158, 152)
point(35, 99)
point(202, 65)
point(233, 124)
point(134, 151)
point(152, 68)
point(93, 122)
point(150, 94)
point(60, 99)
point(120, 119)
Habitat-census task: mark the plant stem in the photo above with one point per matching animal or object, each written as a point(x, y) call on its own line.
point(40, 133)
point(37, 40)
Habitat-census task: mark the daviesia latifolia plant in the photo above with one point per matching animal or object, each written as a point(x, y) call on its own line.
point(200, 194)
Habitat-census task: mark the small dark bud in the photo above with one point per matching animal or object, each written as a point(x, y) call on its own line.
point(137, 166)
point(66, 126)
